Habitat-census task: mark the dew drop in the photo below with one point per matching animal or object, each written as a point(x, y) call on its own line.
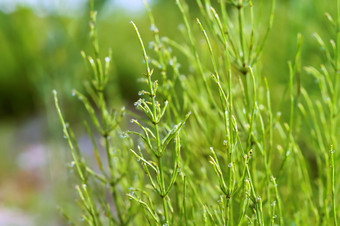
point(153, 27)
point(123, 135)
point(151, 44)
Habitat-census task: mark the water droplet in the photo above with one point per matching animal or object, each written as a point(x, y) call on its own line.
point(73, 93)
point(107, 59)
point(177, 66)
point(151, 44)
point(181, 27)
point(123, 135)
point(153, 28)
point(139, 102)
point(230, 165)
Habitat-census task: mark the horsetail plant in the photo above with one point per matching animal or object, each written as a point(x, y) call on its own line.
point(236, 161)
point(155, 112)
point(323, 115)
point(111, 176)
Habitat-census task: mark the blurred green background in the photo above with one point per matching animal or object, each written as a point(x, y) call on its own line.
point(40, 44)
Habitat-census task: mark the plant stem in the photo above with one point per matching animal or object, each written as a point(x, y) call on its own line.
point(332, 164)
point(241, 33)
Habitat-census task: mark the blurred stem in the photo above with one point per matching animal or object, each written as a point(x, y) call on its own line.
point(333, 185)
point(336, 79)
point(165, 207)
point(195, 53)
point(241, 33)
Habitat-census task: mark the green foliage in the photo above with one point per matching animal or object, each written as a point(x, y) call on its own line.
point(209, 147)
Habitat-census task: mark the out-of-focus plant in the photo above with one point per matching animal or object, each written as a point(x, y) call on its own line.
point(114, 173)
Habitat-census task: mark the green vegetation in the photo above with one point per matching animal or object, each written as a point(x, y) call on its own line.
point(206, 145)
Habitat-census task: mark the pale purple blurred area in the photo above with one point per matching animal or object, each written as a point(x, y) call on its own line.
point(32, 170)
point(14, 217)
point(66, 7)
point(38, 177)
point(34, 159)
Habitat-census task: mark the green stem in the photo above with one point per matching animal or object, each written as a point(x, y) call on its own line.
point(155, 121)
point(241, 33)
point(334, 108)
point(115, 200)
point(333, 185)
point(195, 53)
point(165, 206)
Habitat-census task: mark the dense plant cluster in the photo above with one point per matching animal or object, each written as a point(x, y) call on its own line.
point(205, 146)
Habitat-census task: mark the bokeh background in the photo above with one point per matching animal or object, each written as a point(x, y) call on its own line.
point(40, 44)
